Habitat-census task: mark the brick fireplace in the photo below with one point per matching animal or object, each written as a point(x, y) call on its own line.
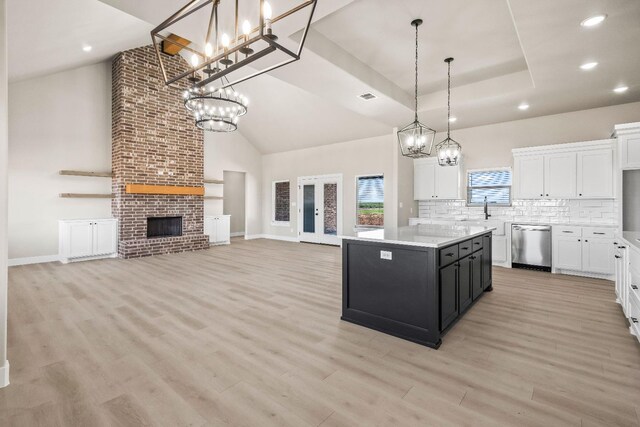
point(154, 142)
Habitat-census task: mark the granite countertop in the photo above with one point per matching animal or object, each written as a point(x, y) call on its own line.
point(632, 238)
point(430, 236)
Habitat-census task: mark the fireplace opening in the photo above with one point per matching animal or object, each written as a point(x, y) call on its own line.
point(164, 226)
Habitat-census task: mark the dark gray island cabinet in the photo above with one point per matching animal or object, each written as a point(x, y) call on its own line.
point(414, 282)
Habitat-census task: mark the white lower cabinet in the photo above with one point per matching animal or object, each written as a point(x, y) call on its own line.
point(499, 249)
point(627, 258)
point(87, 239)
point(218, 228)
point(588, 250)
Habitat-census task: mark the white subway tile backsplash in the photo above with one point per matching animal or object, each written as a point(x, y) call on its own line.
point(557, 211)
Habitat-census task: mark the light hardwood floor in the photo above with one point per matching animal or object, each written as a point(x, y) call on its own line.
point(249, 334)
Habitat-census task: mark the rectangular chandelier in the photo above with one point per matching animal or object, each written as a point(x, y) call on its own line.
point(227, 51)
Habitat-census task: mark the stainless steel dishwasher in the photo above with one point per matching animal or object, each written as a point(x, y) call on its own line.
point(531, 246)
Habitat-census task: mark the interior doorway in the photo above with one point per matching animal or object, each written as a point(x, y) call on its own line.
point(320, 209)
point(233, 201)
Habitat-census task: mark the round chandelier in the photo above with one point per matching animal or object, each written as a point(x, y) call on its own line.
point(449, 151)
point(217, 109)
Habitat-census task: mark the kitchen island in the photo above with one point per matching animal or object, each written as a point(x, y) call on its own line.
point(414, 282)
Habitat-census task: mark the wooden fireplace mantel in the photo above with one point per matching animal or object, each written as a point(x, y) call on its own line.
point(163, 189)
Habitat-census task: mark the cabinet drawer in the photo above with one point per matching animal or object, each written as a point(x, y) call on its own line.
point(561, 230)
point(598, 232)
point(465, 248)
point(449, 255)
point(477, 243)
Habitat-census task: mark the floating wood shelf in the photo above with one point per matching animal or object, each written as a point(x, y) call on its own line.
point(213, 181)
point(164, 189)
point(83, 173)
point(213, 197)
point(86, 196)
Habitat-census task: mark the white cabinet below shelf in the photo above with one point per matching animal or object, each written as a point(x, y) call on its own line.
point(87, 239)
point(218, 228)
point(434, 182)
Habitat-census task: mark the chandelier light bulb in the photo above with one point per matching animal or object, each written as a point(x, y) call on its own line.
point(267, 11)
point(208, 50)
point(225, 40)
point(194, 60)
point(246, 28)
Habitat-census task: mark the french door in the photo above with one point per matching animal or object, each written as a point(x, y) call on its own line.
point(320, 209)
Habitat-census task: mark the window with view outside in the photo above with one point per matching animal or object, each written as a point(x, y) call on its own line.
point(370, 201)
point(281, 199)
point(495, 185)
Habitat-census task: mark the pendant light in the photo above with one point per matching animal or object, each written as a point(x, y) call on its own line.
point(416, 139)
point(449, 151)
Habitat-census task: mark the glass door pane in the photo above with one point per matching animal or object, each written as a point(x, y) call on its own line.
point(331, 208)
point(309, 208)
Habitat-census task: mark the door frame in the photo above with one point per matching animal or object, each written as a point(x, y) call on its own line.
point(320, 179)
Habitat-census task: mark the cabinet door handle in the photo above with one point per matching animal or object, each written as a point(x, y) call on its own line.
point(634, 287)
point(457, 264)
point(579, 240)
point(476, 243)
point(622, 247)
point(465, 248)
point(449, 254)
point(472, 257)
point(586, 241)
point(634, 320)
point(597, 232)
point(580, 194)
point(617, 256)
point(565, 231)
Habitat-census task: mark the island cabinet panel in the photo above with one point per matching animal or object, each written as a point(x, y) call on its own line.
point(487, 250)
point(476, 274)
point(465, 283)
point(449, 293)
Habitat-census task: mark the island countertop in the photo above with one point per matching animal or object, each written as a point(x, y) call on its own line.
point(425, 235)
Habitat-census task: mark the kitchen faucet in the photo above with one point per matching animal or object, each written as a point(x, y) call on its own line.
point(486, 209)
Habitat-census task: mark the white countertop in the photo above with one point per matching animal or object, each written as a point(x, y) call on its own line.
point(632, 238)
point(430, 236)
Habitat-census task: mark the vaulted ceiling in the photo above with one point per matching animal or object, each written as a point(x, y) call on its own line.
point(506, 52)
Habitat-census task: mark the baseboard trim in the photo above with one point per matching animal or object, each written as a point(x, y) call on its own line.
point(272, 237)
point(237, 234)
point(4, 374)
point(32, 260)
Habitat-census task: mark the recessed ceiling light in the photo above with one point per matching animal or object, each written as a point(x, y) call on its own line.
point(87, 48)
point(621, 89)
point(589, 65)
point(523, 107)
point(453, 119)
point(592, 21)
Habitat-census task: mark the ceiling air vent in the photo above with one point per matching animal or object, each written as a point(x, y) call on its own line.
point(368, 96)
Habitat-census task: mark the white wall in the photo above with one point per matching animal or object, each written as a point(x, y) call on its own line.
point(4, 363)
point(61, 121)
point(490, 146)
point(234, 199)
point(360, 157)
point(232, 152)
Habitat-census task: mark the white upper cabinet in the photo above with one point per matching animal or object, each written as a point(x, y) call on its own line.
point(424, 186)
point(560, 175)
point(628, 135)
point(595, 174)
point(581, 170)
point(529, 177)
point(432, 181)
